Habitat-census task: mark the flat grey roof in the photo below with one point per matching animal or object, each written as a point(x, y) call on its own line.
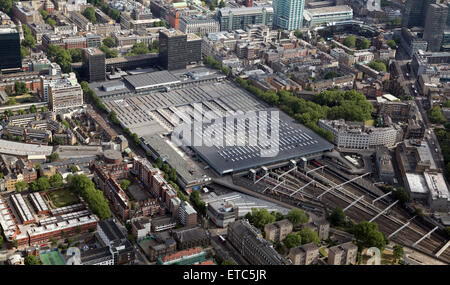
point(188, 171)
point(152, 79)
point(295, 141)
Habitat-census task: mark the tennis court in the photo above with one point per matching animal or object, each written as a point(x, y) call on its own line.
point(52, 258)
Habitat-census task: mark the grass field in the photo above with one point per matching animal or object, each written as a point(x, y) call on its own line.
point(369, 123)
point(62, 198)
point(52, 258)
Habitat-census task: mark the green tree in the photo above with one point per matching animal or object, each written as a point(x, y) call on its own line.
point(108, 52)
point(89, 13)
point(292, 240)
point(76, 55)
point(308, 235)
point(31, 260)
point(51, 22)
point(125, 183)
point(378, 65)
point(436, 116)
point(114, 14)
point(139, 48)
point(401, 195)
point(1, 241)
point(368, 235)
point(33, 109)
point(222, 4)
point(44, 14)
point(24, 52)
point(33, 186)
point(73, 169)
point(159, 162)
point(197, 202)
point(398, 252)
point(363, 43)
point(65, 124)
point(337, 218)
point(261, 217)
point(6, 5)
point(109, 42)
point(43, 183)
point(350, 41)
point(84, 186)
point(20, 87)
point(297, 217)
point(57, 141)
point(20, 186)
point(54, 157)
point(392, 44)
point(228, 262)
point(29, 41)
point(56, 180)
point(298, 34)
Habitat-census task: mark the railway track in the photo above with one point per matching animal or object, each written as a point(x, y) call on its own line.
point(407, 235)
point(362, 210)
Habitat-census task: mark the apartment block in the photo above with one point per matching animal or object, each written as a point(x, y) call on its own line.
point(278, 231)
point(343, 254)
point(306, 254)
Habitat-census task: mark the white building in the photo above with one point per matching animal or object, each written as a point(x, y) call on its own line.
point(198, 24)
point(357, 136)
point(327, 15)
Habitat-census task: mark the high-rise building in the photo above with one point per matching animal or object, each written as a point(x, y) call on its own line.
point(187, 214)
point(65, 93)
point(177, 49)
point(94, 62)
point(435, 26)
point(239, 18)
point(10, 50)
point(288, 14)
point(415, 12)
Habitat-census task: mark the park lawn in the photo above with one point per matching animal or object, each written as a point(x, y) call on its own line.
point(323, 252)
point(369, 123)
point(63, 197)
point(25, 98)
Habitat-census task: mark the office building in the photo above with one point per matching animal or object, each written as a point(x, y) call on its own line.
point(177, 49)
point(343, 254)
point(10, 50)
point(415, 13)
point(306, 254)
point(278, 231)
point(65, 94)
point(288, 14)
point(239, 18)
point(222, 213)
point(354, 135)
point(249, 242)
point(198, 24)
point(94, 61)
point(327, 15)
point(435, 25)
